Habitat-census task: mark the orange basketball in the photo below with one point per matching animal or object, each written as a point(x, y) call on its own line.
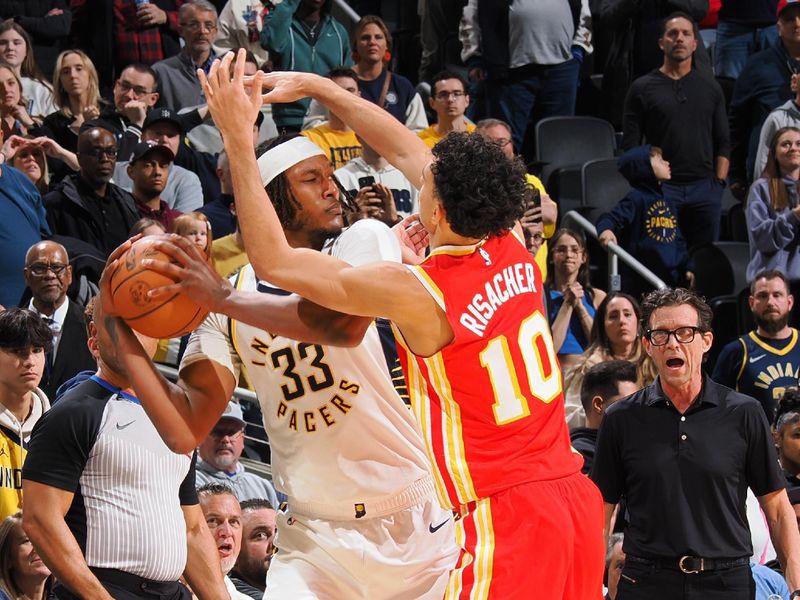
point(168, 317)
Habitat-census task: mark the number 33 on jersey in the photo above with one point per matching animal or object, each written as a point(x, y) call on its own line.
point(490, 404)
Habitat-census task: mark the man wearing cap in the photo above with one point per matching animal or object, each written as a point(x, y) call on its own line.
point(345, 448)
point(219, 459)
point(183, 190)
point(763, 85)
point(149, 169)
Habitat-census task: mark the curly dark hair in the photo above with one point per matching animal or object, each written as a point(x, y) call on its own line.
point(788, 411)
point(483, 192)
point(23, 328)
point(676, 297)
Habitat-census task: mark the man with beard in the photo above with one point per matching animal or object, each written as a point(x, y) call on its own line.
point(149, 170)
point(764, 362)
point(249, 574)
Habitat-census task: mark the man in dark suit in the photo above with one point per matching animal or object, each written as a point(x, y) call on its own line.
point(48, 274)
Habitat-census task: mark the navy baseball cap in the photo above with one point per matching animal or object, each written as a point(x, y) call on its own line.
point(145, 149)
point(157, 115)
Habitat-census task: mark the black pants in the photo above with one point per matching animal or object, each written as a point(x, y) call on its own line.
point(650, 582)
point(124, 586)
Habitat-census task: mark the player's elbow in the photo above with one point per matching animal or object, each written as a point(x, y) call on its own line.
point(180, 442)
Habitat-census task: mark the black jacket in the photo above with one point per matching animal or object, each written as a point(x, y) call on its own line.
point(48, 34)
point(69, 214)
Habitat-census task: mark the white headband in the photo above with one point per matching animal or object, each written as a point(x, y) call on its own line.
point(276, 160)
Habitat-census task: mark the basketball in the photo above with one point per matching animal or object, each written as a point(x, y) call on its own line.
point(168, 317)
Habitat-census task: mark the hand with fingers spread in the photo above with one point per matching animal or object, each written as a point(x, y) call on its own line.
point(190, 270)
point(288, 86)
point(414, 239)
point(12, 145)
point(233, 108)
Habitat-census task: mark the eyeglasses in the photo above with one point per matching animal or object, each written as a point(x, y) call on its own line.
point(221, 433)
point(444, 95)
point(502, 142)
point(660, 337)
point(41, 269)
point(98, 152)
point(197, 25)
point(137, 89)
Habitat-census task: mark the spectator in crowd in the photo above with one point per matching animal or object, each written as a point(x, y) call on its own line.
point(682, 111)
point(499, 132)
point(14, 117)
point(626, 33)
point(438, 20)
point(48, 276)
point(22, 223)
point(530, 58)
point(87, 205)
point(313, 463)
point(786, 431)
point(645, 222)
point(602, 386)
point(701, 540)
point(372, 166)
point(249, 574)
point(110, 508)
point(144, 32)
point(240, 25)
point(571, 299)
point(47, 21)
point(763, 85)
point(786, 115)
point(763, 362)
point(336, 139)
point(773, 209)
point(449, 99)
point(29, 158)
point(371, 43)
point(195, 227)
point(301, 35)
point(615, 336)
point(149, 169)
point(178, 86)
point(24, 340)
point(16, 49)
point(23, 574)
point(219, 459)
point(615, 562)
point(183, 191)
point(223, 516)
point(147, 227)
point(221, 212)
point(744, 28)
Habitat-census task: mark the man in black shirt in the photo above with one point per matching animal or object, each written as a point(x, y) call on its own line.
point(602, 386)
point(682, 453)
point(682, 111)
point(87, 205)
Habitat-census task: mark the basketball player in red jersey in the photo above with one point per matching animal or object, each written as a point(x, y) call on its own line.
point(479, 359)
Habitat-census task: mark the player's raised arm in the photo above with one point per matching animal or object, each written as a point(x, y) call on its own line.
point(366, 291)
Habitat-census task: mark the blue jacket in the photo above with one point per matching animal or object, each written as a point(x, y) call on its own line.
point(645, 222)
point(291, 50)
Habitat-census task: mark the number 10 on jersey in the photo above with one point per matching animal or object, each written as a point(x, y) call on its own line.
point(541, 368)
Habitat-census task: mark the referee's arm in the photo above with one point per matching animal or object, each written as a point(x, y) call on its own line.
point(203, 570)
point(43, 522)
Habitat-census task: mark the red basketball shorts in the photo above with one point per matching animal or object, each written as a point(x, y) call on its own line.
point(536, 540)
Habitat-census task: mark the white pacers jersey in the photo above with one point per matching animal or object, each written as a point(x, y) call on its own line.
point(338, 430)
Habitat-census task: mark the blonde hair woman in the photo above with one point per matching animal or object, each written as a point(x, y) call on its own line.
point(23, 574)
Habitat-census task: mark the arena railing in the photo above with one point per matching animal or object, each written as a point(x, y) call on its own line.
point(615, 254)
point(259, 443)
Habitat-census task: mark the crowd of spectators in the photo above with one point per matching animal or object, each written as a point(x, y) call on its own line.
point(105, 133)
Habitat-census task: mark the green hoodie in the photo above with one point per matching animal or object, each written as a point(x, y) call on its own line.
point(291, 50)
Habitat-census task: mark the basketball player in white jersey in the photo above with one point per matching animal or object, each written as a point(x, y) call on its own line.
point(362, 519)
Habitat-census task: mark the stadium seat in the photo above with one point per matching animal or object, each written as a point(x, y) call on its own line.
point(602, 187)
point(738, 255)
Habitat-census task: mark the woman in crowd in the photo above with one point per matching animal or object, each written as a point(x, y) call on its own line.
point(615, 336)
point(29, 155)
point(371, 43)
point(147, 226)
point(76, 95)
point(786, 431)
point(571, 300)
point(14, 117)
point(773, 209)
point(23, 575)
point(17, 51)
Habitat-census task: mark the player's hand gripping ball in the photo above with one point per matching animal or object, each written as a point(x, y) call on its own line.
point(168, 317)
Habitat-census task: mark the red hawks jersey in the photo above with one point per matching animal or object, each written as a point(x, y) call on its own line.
point(490, 403)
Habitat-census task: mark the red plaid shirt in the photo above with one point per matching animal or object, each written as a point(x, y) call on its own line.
point(136, 44)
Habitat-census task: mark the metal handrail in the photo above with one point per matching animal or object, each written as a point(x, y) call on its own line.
point(348, 10)
point(615, 253)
